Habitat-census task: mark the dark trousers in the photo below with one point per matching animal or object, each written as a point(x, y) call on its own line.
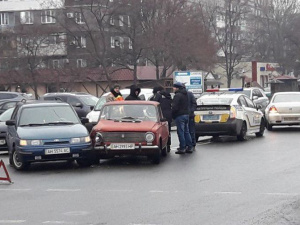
point(182, 123)
point(192, 130)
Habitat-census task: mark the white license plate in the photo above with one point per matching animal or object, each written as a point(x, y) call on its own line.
point(210, 117)
point(290, 118)
point(118, 146)
point(2, 142)
point(54, 151)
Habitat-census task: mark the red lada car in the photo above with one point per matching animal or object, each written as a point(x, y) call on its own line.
point(131, 128)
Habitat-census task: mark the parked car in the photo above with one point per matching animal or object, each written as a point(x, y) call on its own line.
point(46, 131)
point(131, 128)
point(13, 95)
point(257, 95)
point(93, 116)
point(228, 114)
point(80, 101)
point(7, 104)
point(283, 110)
point(3, 128)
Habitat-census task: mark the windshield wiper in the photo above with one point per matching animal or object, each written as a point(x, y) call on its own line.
point(60, 122)
point(33, 124)
point(129, 119)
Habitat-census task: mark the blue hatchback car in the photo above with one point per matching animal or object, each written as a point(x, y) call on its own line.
point(46, 131)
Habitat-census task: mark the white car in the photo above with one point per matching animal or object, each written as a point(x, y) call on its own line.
point(228, 114)
point(93, 116)
point(283, 110)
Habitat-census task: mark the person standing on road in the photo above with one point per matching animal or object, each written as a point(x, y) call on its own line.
point(115, 94)
point(165, 100)
point(134, 93)
point(180, 112)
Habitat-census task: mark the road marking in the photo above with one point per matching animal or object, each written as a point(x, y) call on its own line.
point(228, 193)
point(76, 213)
point(63, 190)
point(12, 221)
point(58, 222)
point(282, 194)
point(157, 191)
point(116, 190)
point(15, 189)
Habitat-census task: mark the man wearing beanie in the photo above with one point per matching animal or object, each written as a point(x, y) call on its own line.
point(180, 113)
point(115, 94)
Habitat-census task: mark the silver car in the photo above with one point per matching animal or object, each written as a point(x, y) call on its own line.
point(283, 110)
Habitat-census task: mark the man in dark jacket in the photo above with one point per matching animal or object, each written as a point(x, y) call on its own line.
point(192, 109)
point(134, 93)
point(165, 100)
point(180, 112)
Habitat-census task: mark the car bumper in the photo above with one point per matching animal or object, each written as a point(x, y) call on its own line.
point(232, 127)
point(3, 144)
point(138, 150)
point(37, 154)
point(284, 119)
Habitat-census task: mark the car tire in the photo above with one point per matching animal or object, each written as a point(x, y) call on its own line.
point(261, 129)
point(17, 163)
point(164, 151)
point(269, 126)
point(168, 148)
point(242, 135)
point(156, 158)
point(84, 162)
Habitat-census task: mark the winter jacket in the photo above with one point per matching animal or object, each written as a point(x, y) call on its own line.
point(192, 104)
point(133, 95)
point(180, 105)
point(114, 96)
point(165, 100)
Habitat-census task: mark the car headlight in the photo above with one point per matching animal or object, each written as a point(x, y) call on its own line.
point(30, 142)
point(98, 138)
point(80, 140)
point(149, 137)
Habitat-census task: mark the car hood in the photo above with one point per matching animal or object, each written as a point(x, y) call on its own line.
point(111, 126)
point(52, 132)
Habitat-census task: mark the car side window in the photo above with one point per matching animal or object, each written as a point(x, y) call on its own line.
point(9, 105)
point(249, 103)
point(242, 101)
point(259, 94)
point(73, 101)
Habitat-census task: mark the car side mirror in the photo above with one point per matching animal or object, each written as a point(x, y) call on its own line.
point(255, 98)
point(84, 120)
point(10, 123)
point(79, 105)
point(258, 107)
point(163, 120)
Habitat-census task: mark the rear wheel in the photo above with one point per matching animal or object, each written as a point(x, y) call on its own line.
point(261, 129)
point(242, 135)
point(18, 163)
point(269, 126)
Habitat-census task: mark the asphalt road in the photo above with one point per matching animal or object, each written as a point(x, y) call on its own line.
point(223, 182)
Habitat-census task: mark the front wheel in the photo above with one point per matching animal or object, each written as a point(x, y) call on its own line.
point(17, 163)
point(242, 135)
point(269, 126)
point(261, 129)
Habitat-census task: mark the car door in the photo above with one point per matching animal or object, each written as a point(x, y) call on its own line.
point(164, 129)
point(7, 106)
point(253, 114)
point(12, 130)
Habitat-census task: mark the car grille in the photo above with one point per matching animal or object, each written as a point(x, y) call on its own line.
point(56, 143)
point(123, 137)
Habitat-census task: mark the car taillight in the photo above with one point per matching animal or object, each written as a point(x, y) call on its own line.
point(232, 112)
point(273, 109)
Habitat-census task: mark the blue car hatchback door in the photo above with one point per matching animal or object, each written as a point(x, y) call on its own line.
point(46, 131)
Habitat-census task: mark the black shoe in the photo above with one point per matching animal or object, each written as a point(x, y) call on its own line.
point(189, 150)
point(180, 151)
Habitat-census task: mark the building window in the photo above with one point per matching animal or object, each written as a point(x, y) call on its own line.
point(129, 43)
point(111, 21)
point(128, 21)
point(3, 18)
point(48, 16)
point(81, 63)
point(112, 42)
point(56, 64)
point(79, 41)
point(79, 19)
point(26, 17)
point(121, 21)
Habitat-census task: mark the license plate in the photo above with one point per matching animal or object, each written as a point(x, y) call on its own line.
point(210, 117)
point(54, 151)
point(290, 118)
point(2, 142)
point(118, 146)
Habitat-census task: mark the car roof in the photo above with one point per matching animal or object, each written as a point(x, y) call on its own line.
point(35, 103)
point(286, 93)
point(222, 95)
point(67, 93)
point(133, 103)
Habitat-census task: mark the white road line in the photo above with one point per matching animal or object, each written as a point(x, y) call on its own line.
point(228, 193)
point(63, 190)
point(58, 222)
point(116, 190)
point(12, 221)
point(157, 191)
point(15, 189)
point(282, 194)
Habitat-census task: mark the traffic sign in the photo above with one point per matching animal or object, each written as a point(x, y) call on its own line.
point(7, 178)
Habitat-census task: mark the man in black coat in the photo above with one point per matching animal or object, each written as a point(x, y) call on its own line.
point(134, 93)
point(165, 100)
point(180, 113)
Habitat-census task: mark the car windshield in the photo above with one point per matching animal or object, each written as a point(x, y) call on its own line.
point(286, 98)
point(129, 113)
point(214, 101)
point(7, 114)
point(45, 115)
point(89, 99)
point(102, 101)
point(245, 92)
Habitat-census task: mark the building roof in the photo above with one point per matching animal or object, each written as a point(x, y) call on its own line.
point(25, 5)
point(285, 77)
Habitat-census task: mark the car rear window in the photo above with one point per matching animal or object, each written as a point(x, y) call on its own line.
point(89, 100)
point(47, 114)
point(245, 92)
point(214, 101)
point(7, 95)
point(286, 98)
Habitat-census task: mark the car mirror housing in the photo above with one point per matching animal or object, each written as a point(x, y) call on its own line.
point(10, 122)
point(258, 107)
